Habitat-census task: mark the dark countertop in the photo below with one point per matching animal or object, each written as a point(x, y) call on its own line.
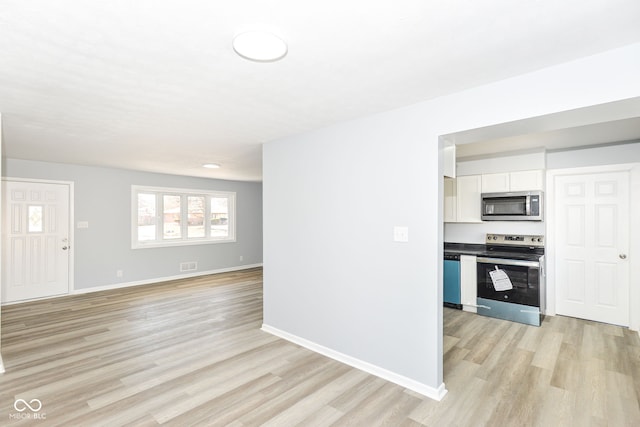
point(465, 248)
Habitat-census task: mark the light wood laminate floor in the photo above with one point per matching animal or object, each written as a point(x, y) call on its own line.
point(191, 352)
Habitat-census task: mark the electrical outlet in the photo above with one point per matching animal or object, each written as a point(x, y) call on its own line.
point(119, 273)
point(241, 257)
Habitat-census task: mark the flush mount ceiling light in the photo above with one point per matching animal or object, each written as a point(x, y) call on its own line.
point(259, 46)
point(211, 165)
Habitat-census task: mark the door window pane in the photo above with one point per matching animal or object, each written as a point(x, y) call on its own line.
point(171, 217)
point(219, 217)
point(36, 223)
point(196, 205)
point(146, 217)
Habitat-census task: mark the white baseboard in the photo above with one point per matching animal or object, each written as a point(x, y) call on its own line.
point(162, 279)
point(1, 365)
point(423, 389)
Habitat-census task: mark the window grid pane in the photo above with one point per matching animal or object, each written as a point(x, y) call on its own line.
point(219, 220)
point(195, 220)
point(146, 217)
point(171, 216)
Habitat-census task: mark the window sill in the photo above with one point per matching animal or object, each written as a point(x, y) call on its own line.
point(179, 243)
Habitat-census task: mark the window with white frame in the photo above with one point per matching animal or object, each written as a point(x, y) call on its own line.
point(174, 217)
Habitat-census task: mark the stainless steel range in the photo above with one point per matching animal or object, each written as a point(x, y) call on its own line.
point(510, 277)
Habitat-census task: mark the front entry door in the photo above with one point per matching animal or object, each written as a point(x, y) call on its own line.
point(35, 246)
point(592, 232)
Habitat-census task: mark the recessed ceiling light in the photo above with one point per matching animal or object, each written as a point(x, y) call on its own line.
point(211, 165)
point(260, 46)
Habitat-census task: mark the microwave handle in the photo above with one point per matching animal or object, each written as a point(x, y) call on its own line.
point(502, 261)
point(527, 205)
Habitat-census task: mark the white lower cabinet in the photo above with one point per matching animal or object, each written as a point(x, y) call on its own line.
point(468, 283)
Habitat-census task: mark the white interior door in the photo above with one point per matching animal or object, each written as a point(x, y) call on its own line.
point(592, 235)
point(36, 247)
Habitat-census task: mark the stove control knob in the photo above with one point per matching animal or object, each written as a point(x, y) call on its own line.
point(495, 237)
point(539, 239)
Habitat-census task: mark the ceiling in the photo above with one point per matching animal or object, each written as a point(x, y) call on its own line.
point(155, 85)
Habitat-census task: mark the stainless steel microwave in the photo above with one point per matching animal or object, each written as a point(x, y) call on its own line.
point(512, 206)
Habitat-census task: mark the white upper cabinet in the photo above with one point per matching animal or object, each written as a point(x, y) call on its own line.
point(495, 182)
point(450, 194)
point(462, 199)
point(450, 161)
point(527, 180)
point(463, 195)
point(469, 189)
point(513, 181)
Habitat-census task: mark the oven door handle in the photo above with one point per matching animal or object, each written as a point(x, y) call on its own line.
point(502, 261)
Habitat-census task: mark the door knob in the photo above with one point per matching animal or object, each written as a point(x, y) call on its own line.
point(64, 248)
point(623, 256)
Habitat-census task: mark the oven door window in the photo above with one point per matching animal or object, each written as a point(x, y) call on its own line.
point(525, 281)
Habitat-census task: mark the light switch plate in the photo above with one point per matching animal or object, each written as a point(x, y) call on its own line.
point(83, 224)
point(400, 234)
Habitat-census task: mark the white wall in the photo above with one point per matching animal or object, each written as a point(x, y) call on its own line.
point(502, 163)
point(477, 233)
point(595, 156)
point(103, 199)
point(333, 275)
